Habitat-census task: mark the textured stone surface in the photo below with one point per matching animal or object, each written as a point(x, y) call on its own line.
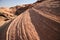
point(41, 22)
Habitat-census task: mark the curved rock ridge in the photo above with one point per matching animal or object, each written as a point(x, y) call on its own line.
point(40, 22)
point(12, 12)
point(5, 12)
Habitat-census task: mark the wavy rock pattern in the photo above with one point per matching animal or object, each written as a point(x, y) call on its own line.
point(40, 22)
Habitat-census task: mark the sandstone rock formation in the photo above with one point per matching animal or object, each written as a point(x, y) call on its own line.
point(11, 13)
point(7, 15)
point(40, 22)
point(17, 10)
point(5, 12)
point(37, 21)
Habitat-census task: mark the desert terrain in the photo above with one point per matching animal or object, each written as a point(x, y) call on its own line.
point(37, 21)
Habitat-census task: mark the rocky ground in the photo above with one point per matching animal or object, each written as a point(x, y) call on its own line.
point(44, 17)
point(11, 13)
point(7, 15)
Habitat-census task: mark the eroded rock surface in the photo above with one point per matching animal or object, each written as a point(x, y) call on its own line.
point(41, 22)
point(37, 21)
point(7, 15)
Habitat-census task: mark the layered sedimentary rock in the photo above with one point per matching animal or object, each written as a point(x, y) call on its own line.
point(17, 10)
point(5, 19)
point(40, 22)
point(7, 15)
point(5, 12)
point(10, 13)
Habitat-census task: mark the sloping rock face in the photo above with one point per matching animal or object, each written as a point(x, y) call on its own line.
point(5, 12)
point(40, 22)
point(14, 9)
point(17, 10)
point(3, 29)
point(5, 19)
point(12, 12)
point(7, 15)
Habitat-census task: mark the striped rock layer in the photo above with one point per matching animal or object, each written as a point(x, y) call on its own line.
point(40, 22)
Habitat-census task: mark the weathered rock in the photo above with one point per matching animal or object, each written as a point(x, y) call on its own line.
point(41, 22)
point(5, 19)
point(17, 10)
point(3, 29)
point(5, 12)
